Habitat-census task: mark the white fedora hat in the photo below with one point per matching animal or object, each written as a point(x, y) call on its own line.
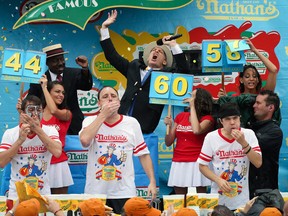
point(165, 48)
point(54, 50)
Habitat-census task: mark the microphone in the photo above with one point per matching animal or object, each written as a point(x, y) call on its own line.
point(159, 42)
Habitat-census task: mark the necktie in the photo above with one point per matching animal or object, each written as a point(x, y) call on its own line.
point(59, 78)
point(149, 70)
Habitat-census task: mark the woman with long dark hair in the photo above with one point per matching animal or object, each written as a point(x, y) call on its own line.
point(189, 130)
point(58, 115)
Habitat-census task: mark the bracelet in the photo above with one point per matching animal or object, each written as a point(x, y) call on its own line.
point(57, 211)
point(248, 150)
point(245, 146)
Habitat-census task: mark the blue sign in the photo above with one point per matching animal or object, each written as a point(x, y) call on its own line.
point(168, 88)
point(21, 66)
point(217, 57)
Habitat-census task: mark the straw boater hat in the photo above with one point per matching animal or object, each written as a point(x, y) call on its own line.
point(165, 48)
point(54, 50)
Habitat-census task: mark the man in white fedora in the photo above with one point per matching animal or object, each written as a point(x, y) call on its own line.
point(135, 101)
point(73, 79)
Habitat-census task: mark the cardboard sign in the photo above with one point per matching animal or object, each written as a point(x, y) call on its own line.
point(169, 88)
point(217, 57)
point(23, 66)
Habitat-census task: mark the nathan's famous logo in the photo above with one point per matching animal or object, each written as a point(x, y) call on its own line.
point(88, 101)
point(238, 10)
point(77, 157)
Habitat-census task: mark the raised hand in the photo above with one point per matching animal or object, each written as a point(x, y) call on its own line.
point(111, 19)
point(82, 61)
point(43, 81)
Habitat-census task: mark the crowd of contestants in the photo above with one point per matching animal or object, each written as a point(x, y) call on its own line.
point(228, 144)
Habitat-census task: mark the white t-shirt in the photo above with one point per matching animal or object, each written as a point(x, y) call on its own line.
point(229, 161)
point(33, 151)
point(106, 172)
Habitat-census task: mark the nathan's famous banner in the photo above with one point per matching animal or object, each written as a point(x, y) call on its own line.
point(33, 24)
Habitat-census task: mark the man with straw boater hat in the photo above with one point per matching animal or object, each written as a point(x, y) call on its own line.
point(135, 101)
point(73, 79)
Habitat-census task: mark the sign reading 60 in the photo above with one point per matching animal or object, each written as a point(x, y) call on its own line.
point(168, 88)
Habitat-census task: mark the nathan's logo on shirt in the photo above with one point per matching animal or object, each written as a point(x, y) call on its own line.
point(111, 138)
point(32, 149)
point(77, 157)
point(228, 154)
point(184, 128)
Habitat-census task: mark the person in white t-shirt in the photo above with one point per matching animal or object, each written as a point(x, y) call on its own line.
point(112, 141)
point(230, 150)
point(29, 148)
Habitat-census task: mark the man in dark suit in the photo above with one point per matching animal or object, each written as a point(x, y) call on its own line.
point(73, 79)
point(270, 137)
point(135, 101)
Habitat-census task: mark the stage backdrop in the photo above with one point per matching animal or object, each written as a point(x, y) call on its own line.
point(264, 21)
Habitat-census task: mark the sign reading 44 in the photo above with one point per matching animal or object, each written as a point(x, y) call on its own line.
point(21, 66)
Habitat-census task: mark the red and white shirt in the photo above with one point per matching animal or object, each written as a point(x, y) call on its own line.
point(110, 167)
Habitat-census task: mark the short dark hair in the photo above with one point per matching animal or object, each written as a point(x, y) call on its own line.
point(271, 99)
point(228, 109)
point(98, 96)
point(30, 98)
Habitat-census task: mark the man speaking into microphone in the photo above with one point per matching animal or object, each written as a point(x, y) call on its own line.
point(157, 57)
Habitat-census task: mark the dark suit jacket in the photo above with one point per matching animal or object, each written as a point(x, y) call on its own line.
point(148, 115)
point(73, 80)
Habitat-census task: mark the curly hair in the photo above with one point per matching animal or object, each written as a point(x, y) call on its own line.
point(203, 103)
point(241, 75)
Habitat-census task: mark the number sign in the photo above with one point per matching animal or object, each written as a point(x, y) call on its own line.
point(217, 56)
point(169, 88)
point(21, 66)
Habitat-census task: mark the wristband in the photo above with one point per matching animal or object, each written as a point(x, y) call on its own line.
point(248, 150)
point(245, 146)
point(57, 211)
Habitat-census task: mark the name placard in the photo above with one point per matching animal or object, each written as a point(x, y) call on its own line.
point(169, 88)
point(218, 57)
point(23, 66)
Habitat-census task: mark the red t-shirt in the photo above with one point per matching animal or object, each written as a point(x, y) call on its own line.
point(188, 145)
point(61, 127)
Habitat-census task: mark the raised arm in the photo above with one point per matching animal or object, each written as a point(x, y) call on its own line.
point(88, 132)
point(62, 114)
point(170, 137)
point(272, 69)
point(6, 156)
point(53, 146)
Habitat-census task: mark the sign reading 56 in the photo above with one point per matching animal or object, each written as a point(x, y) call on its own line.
point(168, 88)
point(19, 65)
point(218, 57)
